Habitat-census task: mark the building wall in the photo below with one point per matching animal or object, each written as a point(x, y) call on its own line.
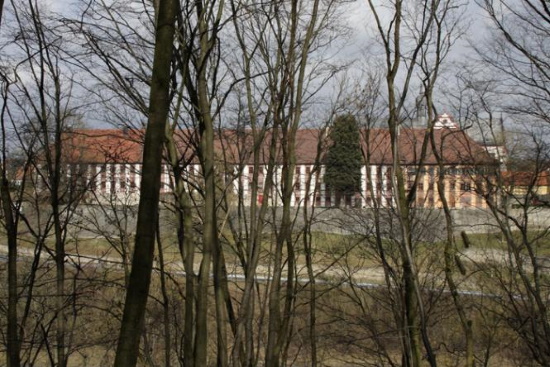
point(121, 182)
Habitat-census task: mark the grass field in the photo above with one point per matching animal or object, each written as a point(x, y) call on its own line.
point(356, 325)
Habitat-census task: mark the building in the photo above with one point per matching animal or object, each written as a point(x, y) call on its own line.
point(107, 164)
point(490, 134)
point(526, 188)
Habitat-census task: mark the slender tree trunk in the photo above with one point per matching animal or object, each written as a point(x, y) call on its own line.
point(243, 349)
point(165, 301)
point(292, 84)
point(190, 280)
point(415, 326)
point(13, 337)
point(54, 171)
point(277, 326)
point(184, 218)
point(413, 351)
point(60, 284)
point(308, 250)
point(142, 262)
point(1, 10)
point(450, 255)
point(13, 343)
point(206, 154)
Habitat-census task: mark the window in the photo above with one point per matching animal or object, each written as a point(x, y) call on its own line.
point(123, 176)
point(93, 178)
point(113, 177)
point(250, 177)
point(388, 179)
point(132, 177)
point(83, 175)
point(261, 182)
point(103, 178)
point(465, 186)
point(410, 181)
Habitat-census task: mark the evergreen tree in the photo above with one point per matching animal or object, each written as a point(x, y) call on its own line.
point(344, 159)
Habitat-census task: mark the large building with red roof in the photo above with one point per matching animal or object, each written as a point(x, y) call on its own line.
point(108, 164)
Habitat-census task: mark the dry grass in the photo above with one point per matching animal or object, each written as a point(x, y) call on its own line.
point(355, 325)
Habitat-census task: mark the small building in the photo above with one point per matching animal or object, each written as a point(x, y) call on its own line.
point(531, 188)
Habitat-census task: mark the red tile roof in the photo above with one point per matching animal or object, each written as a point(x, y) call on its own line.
point(112, 145)
point(453, 146)
point(515, 178)
point(103, 146)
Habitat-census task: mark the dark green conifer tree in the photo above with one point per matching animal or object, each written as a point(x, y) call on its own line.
point(344, 159)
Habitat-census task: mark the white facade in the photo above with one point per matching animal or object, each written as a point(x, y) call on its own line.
point(120, 182)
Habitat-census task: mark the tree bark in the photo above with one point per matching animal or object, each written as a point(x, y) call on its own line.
point(13, 344)
point(142, 262)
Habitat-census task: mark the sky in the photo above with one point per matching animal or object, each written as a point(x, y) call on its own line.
point(360, 46)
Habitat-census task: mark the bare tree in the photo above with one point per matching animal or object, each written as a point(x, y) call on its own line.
point(412, 39)
point(515, 52)
point(159, 104)
point(277, 41)
point(11, 221)
point(41, 109)
point(446, 32)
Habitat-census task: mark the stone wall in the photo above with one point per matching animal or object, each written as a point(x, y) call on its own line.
point(428, 224)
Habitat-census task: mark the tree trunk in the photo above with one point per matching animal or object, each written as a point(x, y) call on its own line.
point(165, 301)
point(184, 218)
point(13, 344)
point(142, 262)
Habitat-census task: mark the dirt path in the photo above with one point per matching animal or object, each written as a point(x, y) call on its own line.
point(372, 276)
